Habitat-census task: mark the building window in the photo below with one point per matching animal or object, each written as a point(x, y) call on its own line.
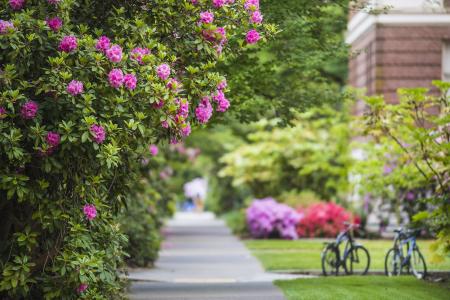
point(446, 62)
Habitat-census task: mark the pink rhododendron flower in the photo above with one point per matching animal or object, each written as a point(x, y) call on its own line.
point(252, 36)
point(186, 129)
point(138, 53)
point(218, 35)
point(130, 81)
point(82, 287)
point(218, 3)
point(183, 109)
point(2, 112)
point(75, 87)
point(29, 110)
point(153, 150)
point(114, 53)
point(158, 104)
point(194, 2)
point(98, 132)
point(6, 27)
point(103, 44)
point(68, 43)
point(251, 4)
point(165, 124)
point(116, 78)
point(206, 17)
point(204, 110)
point(90, 212)
point(222, 85)
point(54, 2)
point(163, 71)
point(222, 102)
point(53, 139)
point(54, 23)
point(256, 17)
point(16, 4)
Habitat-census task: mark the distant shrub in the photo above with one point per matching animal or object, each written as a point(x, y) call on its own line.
point(236, 221)
point(266, 218)
point(323, 220)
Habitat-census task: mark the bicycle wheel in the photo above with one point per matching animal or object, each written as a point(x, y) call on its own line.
point(357, 261)
point(393, 263)
point(330, 260)
point(418, 265)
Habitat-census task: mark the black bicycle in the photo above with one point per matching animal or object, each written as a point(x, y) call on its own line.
point(396, 262)
point(355, 259)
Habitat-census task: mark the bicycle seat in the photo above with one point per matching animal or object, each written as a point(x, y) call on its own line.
point(398, 230)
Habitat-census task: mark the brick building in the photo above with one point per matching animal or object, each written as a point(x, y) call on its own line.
point(407, 47)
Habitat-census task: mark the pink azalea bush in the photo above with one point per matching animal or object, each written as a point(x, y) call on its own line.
point(103, 44)
point(16, 4)
point(252, 36)
point(267, 218)
point(325, 219)
point(116, 78)
point(153, 150)
point(53, 139)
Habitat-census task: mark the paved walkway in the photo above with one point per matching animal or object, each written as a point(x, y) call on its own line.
point(200, 259)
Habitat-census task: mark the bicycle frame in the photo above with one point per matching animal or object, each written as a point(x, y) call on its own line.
point(401, 239)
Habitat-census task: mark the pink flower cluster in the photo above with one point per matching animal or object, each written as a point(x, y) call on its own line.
point(251, 4)
point(218, 3)
point(130, 81)
point(252, 37)
point(116, 77)
point(153, 150)
point(114, 53)
point(206, 17)
point(138, 54)
point(90, 212)
point(29, 110)
point(323, 220)
point(53, 139)
point(6, 27)
point(222, 103)
point(98, 133)
point(173, 84)
point(103, 44)
point(53, 2)
point(68, 44)
point(54, 23)
point(82, 287)
point(185, 129)
point(75, 87)
point(204, 110)
point(256, 17)
point(163, 71)
point(16, 4)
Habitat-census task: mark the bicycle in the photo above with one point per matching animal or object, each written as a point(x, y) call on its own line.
point(395, 260)
point(356, 258)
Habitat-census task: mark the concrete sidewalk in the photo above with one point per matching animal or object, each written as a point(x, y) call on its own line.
point(201, 259)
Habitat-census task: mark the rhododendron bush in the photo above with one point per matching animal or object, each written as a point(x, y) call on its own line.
point(86, 87)
point(324, 219)
point(266, 218)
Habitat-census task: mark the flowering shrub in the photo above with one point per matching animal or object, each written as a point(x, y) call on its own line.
point(267, 218)
point(325, 219)
point(83, 80)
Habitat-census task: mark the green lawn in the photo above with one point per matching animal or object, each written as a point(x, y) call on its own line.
point(363, 288)
point(304, 255)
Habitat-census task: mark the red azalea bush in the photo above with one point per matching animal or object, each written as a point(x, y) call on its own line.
point(324, 219)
